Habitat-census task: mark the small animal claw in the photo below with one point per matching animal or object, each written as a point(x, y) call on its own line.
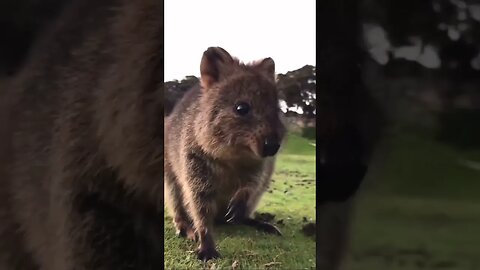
point(236, 212)
point(270, 228)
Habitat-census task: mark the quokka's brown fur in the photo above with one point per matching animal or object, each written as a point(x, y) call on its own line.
point(81, 143)
point(216, 164)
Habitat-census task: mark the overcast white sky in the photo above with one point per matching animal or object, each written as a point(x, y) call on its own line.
point(247, 29)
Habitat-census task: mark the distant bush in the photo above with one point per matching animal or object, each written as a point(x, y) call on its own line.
point(309, 133)
point(460, 127)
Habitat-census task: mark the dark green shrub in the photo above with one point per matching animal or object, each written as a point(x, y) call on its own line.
point(460, 128)
point(309, 133)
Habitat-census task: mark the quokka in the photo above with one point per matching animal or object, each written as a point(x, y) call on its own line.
point(220, 145)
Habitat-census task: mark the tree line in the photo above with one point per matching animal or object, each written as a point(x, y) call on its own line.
point(296, 88)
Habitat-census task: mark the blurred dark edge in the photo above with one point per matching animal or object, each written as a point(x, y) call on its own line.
point(349, 120)
point(349, 123)
point(21, 22)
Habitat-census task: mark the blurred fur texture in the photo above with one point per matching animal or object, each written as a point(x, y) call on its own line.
point(81, 132)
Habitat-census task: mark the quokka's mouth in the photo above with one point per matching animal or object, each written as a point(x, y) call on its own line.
point(248, 151)
point(257, 151)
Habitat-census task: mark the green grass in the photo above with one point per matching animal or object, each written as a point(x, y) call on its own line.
point(291, 197)
point(421, 211)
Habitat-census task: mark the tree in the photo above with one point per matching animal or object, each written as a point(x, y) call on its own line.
point(174, 91)
point(451, 27)
point(298, 89)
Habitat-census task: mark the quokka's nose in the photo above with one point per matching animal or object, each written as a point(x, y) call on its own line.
point(270, 147)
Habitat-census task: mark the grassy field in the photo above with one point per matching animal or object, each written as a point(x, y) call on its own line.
point(291, 199)
point(420, 211)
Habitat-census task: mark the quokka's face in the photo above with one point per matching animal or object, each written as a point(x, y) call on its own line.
point(245, 114)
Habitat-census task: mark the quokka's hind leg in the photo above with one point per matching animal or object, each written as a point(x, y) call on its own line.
point(262, 226)
point(174, 201)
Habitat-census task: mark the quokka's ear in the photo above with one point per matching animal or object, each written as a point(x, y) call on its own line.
point(214, 65)
point(267, 66)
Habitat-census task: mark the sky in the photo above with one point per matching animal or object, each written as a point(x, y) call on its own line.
point(248, 29)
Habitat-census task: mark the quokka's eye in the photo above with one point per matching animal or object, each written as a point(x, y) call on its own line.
point(242, 108)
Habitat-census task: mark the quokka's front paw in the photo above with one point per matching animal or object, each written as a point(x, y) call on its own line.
point(205, 254)
point(236, 211)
